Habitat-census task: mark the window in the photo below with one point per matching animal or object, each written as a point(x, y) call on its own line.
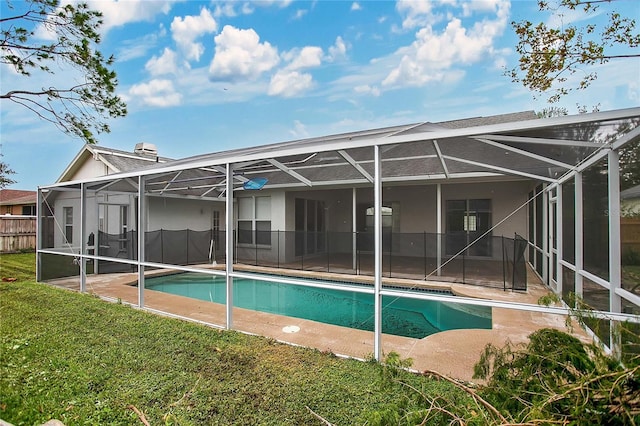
point(28, 210)
point(254, 220)
point(387, 217)
point(68, 224)
point(309, 226)
point(467, 220)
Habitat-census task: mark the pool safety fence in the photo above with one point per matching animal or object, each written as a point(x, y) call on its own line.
point(494, 261)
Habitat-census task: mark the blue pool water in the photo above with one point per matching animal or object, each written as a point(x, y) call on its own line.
point(400, 316)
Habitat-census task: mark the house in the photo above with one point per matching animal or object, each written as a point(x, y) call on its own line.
point(17, 220)
point(287, 222)
point(470, 200)
point(17, 202)
point(630, 201)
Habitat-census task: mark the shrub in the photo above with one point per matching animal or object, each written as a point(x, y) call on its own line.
point(630, 257)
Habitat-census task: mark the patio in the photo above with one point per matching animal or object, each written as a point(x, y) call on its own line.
point(451, 352)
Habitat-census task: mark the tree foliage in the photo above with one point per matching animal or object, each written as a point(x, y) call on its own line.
point(550, 55)
point(554, 379)
point(5, 171)
point(45, 37)
point(558, 379)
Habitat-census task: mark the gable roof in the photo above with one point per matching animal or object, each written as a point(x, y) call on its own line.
point(13, 197)
point(116, 160)
point(507, 146)
point(630, 193)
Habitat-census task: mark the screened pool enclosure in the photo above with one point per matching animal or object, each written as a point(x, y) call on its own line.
point(479, 202)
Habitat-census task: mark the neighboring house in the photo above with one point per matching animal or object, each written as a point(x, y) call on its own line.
point(17, 220)
point(630, 202)
point(17, 202)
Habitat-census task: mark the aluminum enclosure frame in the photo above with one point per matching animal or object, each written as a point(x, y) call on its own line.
point(507, 136)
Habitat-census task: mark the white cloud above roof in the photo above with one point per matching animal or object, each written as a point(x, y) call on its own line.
point(157, 92)
point(117, 13)
point(240, 55)
point(299, 130)
point(416, 12)
point(307, 57)
point(433, 51)
point(186, 30)
point(338, 50)
point(164, 64)
point(288, 83)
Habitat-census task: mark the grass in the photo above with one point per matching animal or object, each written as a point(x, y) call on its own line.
point(81, 360)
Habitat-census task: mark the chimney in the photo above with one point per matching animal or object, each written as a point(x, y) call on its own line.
point(146, 149)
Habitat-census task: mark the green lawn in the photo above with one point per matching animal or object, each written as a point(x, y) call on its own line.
point(79, 359)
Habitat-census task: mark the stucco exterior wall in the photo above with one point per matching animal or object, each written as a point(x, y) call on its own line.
point(177, 214)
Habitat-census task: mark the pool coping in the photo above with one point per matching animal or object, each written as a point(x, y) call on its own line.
point(452, 352)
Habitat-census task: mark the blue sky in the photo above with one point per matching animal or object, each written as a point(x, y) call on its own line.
point(204, 76)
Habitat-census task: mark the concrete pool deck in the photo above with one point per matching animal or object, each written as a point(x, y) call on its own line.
point(452, 353)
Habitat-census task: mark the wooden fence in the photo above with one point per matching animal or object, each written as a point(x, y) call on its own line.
point(17, 233)
point(630, 233)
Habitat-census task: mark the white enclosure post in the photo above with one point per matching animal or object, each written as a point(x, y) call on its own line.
point(354, 229)
point(377, 196)
point(229, 246)
point(439, 227)
point(559, 240)
point(142, 227)
point(615, 269)
point(545, 236)
point(96, 230)
point(39, 232)
point(579, 218)
point(83, 231)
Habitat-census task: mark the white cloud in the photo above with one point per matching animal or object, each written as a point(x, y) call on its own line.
point(114, 14)
point(468, 8)
point(289, 83)
point(299, 130)
point(500, 63)
point(165, 64)
point(299, 14)
point(267, 3)
point(138, 47)
point(307, 57)
point(355, 6)
point(338, 50)
point(433, 53)
point(225, 10)
point(417, 12)
point(240, 55)
point(366, 89)
point(117, 13)
point(157, 92)
point(186, 30)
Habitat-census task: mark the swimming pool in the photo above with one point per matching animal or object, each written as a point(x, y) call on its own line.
point(400, 316)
